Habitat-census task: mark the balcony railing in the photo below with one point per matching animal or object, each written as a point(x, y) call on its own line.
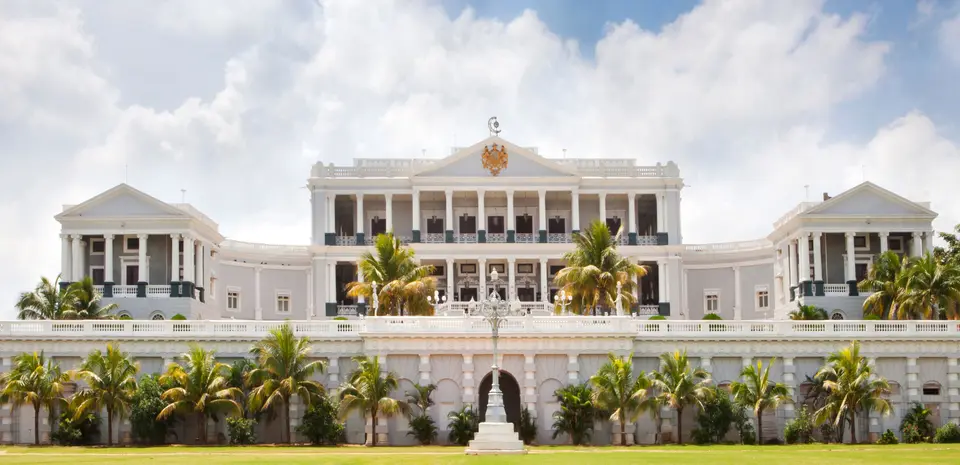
point(836, 289)
point(647, 240)
point(346, 310)
point(128, 291)
point(346, 240)
point(648, 310)
point(526, 238)
point(156, 290)
point(434, 238)
point(496, 238)
point(465, 238)
point(520, 325)
point(559, 238)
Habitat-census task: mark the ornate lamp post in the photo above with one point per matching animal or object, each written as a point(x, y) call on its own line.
point(493, 431)
point(619, 305)
point(436, 300)
point(564, 299)
point(376, 299)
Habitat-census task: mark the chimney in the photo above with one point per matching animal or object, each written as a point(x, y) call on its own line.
point(826, 196)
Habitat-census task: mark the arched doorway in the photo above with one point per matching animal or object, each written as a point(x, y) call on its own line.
point(511, 396)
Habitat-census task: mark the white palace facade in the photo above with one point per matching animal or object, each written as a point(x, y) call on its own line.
point(499, 206)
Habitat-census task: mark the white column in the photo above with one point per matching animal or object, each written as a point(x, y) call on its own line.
point(188, 259)
point(331, 281)
point(817, 259)
point(482, 269)
point(481, 213)
point(884, 242)
point(660, 210)
point(66, 258)
point(450, 275)
point(632, 211)
point(603, 207)
point(850, 270)
point(928, 242)
point(360, 299)
point(792, 261)
point(257, 306)
point(416, 210)
point(360, 218)
point(142, 271)
point(76, 262)
point(511, 218)
point(512, 279)
point(804, 256)
point(389, 200)
point(108, 258)
point(575, 208)
point(662, 280)
point(542, 208)
point(174, 257)
point(544, 288)
point(916, 245)
point(200, 280)
point(310, 293)
point(737, 295)
point(331, 212)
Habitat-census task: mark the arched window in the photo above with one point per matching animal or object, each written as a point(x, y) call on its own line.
point(157, 316)
point(836, 316)
point(124, 316)
point(931, 388)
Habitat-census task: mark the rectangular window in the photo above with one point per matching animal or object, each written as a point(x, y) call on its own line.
point(613, 224)
point(525, 224)
point(283, 302)
point(763, 298)
point(468, 268)
point(557, 225)
point(500, 268)
point(895, 244)
point(711, 301)
point(468, 224)
point(437, 270)
point(97, 246)
point(434, 225)
point(524, 268)
point(131, 244)
point(97, 275)
point(377, 226)
point(233, 299)
point(554, 269)
point(861, 243)
point(495, 225)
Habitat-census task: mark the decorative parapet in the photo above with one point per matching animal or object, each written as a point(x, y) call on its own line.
point(405, 167)
point(239, 246)
point(802, 207)
point(742, 246)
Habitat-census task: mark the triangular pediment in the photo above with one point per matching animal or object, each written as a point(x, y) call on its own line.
point(517, 162)
point(869, 199)
point(123, 201)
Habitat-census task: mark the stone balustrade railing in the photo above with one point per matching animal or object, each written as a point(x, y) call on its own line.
point(530, 324)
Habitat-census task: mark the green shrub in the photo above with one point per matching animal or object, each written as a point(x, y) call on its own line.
point(73, 431)
point(241, 430)
point(911, 434)
point(339, 318)
point(178, 317)
point(714, 420)
point(423, 429)
point(712, 316)
point(657, 317)
point(888, 438)
point(800, 429)
point(463, 425)
point(528, 427)
point(320, 424)
point(917, 417)
point(144, 408)
point(947, 434)
point(872, 317)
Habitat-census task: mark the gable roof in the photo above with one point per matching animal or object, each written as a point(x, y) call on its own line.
point(867, 187)
point(162, 208)
point(512, 149)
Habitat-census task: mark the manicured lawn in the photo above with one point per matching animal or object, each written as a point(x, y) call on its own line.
point(670, 455)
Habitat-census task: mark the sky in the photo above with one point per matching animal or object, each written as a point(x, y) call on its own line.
point(759, 102)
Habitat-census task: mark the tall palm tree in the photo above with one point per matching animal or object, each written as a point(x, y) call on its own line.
point(284, 370)
point(758, 393)
point(37, 381)
point(368, 391)
point(808, 312)
point(87, 304)
point(200, 388)
point(617, 392)
point(576, 414)
point(594, 268)
point(238, 376)
point(402, 283)
point(421, 397)
point(930, 287)
point(851, 387)
point(111, 379)
point(49, 301)
point(679, 385)
point(886, 280)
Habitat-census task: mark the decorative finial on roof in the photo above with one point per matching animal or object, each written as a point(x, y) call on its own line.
point(494, 126)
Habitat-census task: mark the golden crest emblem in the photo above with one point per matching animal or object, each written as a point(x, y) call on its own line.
point(494, 158)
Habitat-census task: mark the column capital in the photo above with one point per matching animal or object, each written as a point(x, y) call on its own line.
point(450, 262)
point(359, 195)
point(602, 195)
point(850, 234)
point(816, 234)
point(108, 237)
point(511, 260)
point(481, 260)
point(541, 192)
point(257, 269)
point(543, 261)
point(480, 192)
point(175, 237)
point(309, 271)
point(142, 237)
point(388, 196)
point(736, 268)
point(76, 237)
point(448, 192)
point(575, 190)
point(883, 233)
point(915, 234)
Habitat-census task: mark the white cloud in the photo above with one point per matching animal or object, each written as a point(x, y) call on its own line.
point(738, 93)
point(950, 38)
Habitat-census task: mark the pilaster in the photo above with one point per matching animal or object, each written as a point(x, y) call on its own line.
point(953, 389)
point(6, 408)
point(449, 219)
point(530, 383)
point(573, 369)
point(469, 384)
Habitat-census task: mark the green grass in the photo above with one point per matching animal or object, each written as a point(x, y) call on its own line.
point(356, 455)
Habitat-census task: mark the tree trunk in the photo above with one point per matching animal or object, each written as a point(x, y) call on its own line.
point(657, 436)
point(286, 413)
point(759, 427)
point(623, 428)
point(373, 430)
point(680, 425)
point(36, 424)
point(201, 429)
point(853, 428)
point(109, 427)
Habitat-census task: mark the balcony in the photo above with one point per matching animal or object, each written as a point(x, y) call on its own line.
point(154, 291)
point(346, 240)
point(836, 289)
point(524, 238)
point(559, 238)
point(434, 238)
point(496, 238)
point(465, 238)
point(346, 310)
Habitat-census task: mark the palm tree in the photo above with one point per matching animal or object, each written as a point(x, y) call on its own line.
point(284, 371)
point(616, 391)
point(919, 417)
point(368, 391)
point(679, 385)
point(594, 268)
point(950, 253)
point(37, 381)
point(757, 392)
point(421, 397)
point(402, 283)
point(87, 304)
point(576, 414)
point(653, 404)
point(49, 301)
point(931, 286)
point(111, 382)
point(201, 388)
point(886, 280)
point(808, 312)
point(849, 381)
point(238, 376)
point(463, 425)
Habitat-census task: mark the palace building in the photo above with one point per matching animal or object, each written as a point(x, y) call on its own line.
point(498, 206)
